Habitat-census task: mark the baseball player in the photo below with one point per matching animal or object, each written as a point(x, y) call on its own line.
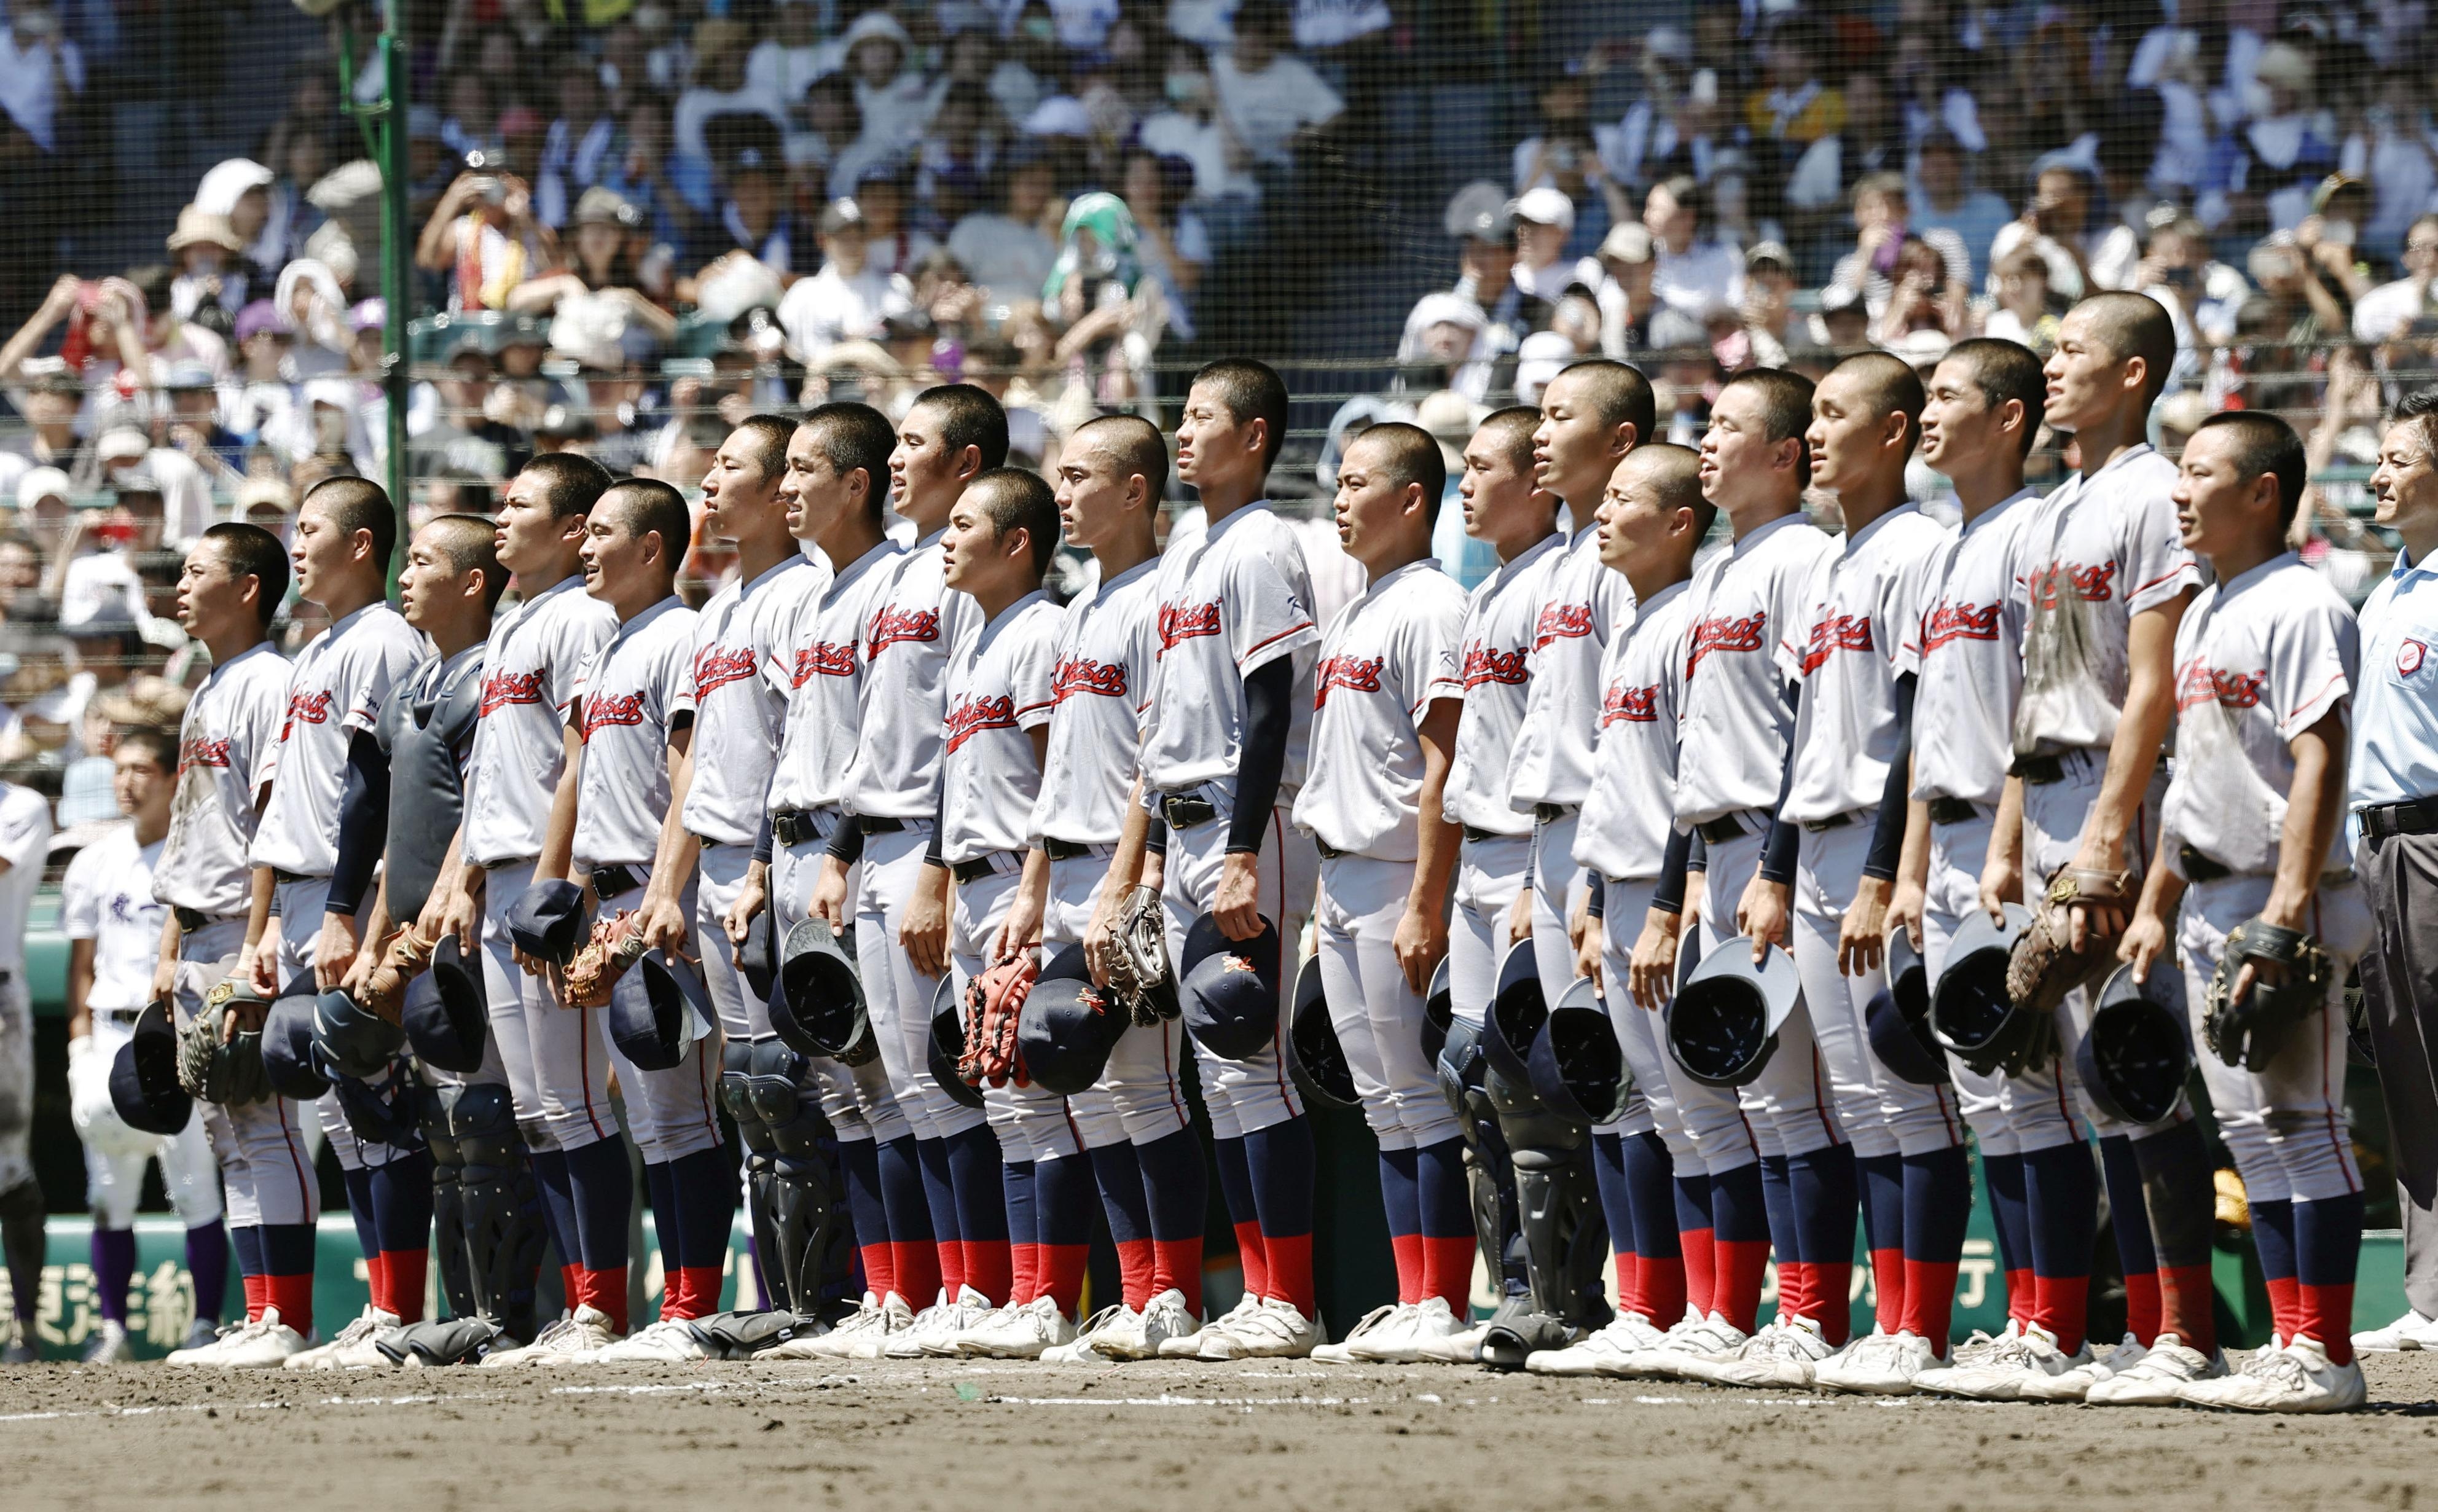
point(1506, 505)
point(319, 837)
point(1133, 1122)
point(2107, 581)
point(1694, 1235)
point(1736, 722)
point(2266, 662)
point(25, 837)
point(1223, 739)
point(113, 927)
point(835, 489)
point(1847, 804)
point(890, 796)
point(556, 1064)
point(1983, 408)
point(741, 684)
point(1000, 537)
point(1386, 700)
point(230, 588)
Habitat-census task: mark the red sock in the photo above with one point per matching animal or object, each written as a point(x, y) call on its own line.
point(1701, 1278)
point(698, 1289)
point(1136, 1265)
point(1447, 1272)
point(879, 1268)
point(1059, 1274)
point(1828, 1292)
point(914, 1268)
point(952, 1268)
point(1250, 1257)
point(256, 1291)
point(403, 1271)
point(2065, 1309)
point(1629, 1283)
point(1024, 1277)
point(2142, 1304)
point(1930, 1301)
point(1287, 1258)
point(605, 1292)
point(2286, 1314)
point(2185, 1299)
point(1662, 1291)
point(990, 1268)
point(1735, 1279)
point(1888, 1280)
point(1177, 1265)
point(377, 1280)
point(1791, 1284)
point(2023, 1297)
point(2328, 1316)
point(1406, 1250)
point(294, 1296)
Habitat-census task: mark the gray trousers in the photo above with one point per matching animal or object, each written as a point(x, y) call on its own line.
point(2399, 981)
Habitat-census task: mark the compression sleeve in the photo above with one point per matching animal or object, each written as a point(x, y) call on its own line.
point(1778, 854)
point(765, 843)
point(1269, 698)
point(364, 823)
point(1669, 898)
point(1887, 836)
point(846, 841)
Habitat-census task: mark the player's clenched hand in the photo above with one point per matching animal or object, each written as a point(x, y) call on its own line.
point(750, 900)
point(1654, 958)
point(1236, 903)
point(335, 952)
point(1861, 939)
point(1764, 913)
point(1519, 918)
point(661, 923)
point(829, 896)
point(1020, 930)
point(2145, 938)
point(1420, 941)
point(924, 932)
point(260, 966)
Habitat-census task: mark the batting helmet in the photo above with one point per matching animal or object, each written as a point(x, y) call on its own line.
point(448, 1018)
point(1898, 1018)
point(1723, 1025)
point(288, 1058)
point(1438, 1011)
point(1577, 1067)
point(948, 1045)
point(351, 1039)
point(657, 1011)
point(1066, 1026)
point(1517, 1011)
point(1230, 988)
point(1970, 1014)
point(144, 1075)
point(547, 922)
point(818, 1006)
point(2135, 1056)
point(1313, 1054)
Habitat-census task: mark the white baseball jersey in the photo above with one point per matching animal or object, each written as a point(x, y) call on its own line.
point(1582, 603)
point(228, 744)
point(1389, 655)
point(1735, 722)
point(338, 686)
point(1107, 647)
point(2258, 661)
point(1631, 811)
point(743, 676)
point(107, 898)
point(1863, 634)
point(1000, 690)
point(916, 627)
point(25, 840)
point(2102, 549)
point(1971, 656)
point(822, 651)
point(1230, 605)
point(519, 742)
point(1494, 654)
point(630, 695)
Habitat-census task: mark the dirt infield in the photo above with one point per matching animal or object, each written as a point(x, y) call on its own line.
point(1273, 1436)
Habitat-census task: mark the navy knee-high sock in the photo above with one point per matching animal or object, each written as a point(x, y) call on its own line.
point(1280, 1160)
point(358, 1183)
point(1825, 1202)
point(1742, 1228)
point(402, 1198)
point(1778, 1200)
point(1176, 1190)
point(1016, 1196)
point(2012, 1218)
point(1244, 1216)
point(557, 1205)
point(1937, 1201)
point(2130, 1219)
point(1127, 1212)
point(703, 1186)
point(1062, 1228)
point(867, 1215)
point(1403, 1207)
point(2181, 1202)
point(939, 1195)
point(1882, 1180)
point(603, 1195)
point(207, 1261)
point(1616, 1212)
point(2327, 1248)
point(978, 1175)
point(1446, 1205)
point(2063, 1193)
point(2272, 1236)
point(1658, 1249)
point(905, 1194)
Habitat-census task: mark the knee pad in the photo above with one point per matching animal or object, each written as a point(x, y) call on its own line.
point(785, 1102)
point(498, 1205)
point(737, 1096)
point(432, 1105)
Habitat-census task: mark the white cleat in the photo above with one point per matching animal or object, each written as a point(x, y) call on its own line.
point(1433, 1322)
point(1693, 1344)
point(870, 1341)
point(352, 1348)
point(263, 1345)
point(1604, 1353)
point(525, 1354)
point(669, 1341)
point(1085, 1348)
point(2410, 1332)
point(949, 1321)
point(108, 1345)
point(2075, 1385)
point(1976, 1348)
point(1278, 1331)
point(2158, 1378)
point(1380, 1323)
point(1188, 1345)
point(1026, 1332)
point(583, 1342)
point(206, 1352)
point(818, 1346)
point(1783, 1356)
point(1884, 1364)
point(1148, 1334)
point(2001, 1375)
point(2297, 1379)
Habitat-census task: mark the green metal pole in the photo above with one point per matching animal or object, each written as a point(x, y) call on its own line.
point(394, 236)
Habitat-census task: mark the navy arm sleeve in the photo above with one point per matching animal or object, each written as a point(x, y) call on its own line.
point(1269, 698)
point(1778, 856)
point(1887, 836)
point(364, 823)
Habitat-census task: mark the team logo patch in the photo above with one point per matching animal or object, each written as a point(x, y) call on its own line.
point(893, 624)
point(1838, 632)
point(1561, 621)
point(974, 715)
point(1487, 664)
point(1359, 673)
point(1743, 633)
point(603, 710)
point(2091, 584)
point(719, 666)
point(2407, 657)
point(1177, 624)
point(1959, 622)
point(1082, 675)
point(502, 688)
point(199, 751)
point(1636, 706)
point(824, 659)
point(312, 708)
point(1241, 963)
point(2200, 685)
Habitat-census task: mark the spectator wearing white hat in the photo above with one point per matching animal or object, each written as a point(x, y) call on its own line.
point(889, 88)
point(849, 299)
point(241, 191)
point(1545, 217)
point(210, 265)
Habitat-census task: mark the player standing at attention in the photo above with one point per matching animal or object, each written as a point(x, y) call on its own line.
point(1386, 697)
point(1224, 732)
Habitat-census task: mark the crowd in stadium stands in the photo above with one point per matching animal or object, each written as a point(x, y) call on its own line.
point(632, 223)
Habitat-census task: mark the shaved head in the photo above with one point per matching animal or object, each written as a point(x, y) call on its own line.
point(1134, 444)
point(1889, 386)
point(1406, 455)
point(1511, 428)
point(468, 543)
point(1617, 394)
point(1673, 473)
point(2131, 325)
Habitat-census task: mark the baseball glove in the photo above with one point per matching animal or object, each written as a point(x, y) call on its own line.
point(615, 945)
point(2044, 966)
point(994, 1001)
point(220, 1059)
point(403, 957)
point(1140, 977)
point(2249, 1031)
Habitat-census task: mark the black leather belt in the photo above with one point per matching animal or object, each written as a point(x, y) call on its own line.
point(1952, 811)
point(191, 920)
point(1721, 830)
point(2039, 770)
point(616, 881)
point(1183, 811)
point(2417, 816)
point(879, 824)
point(1057, 850)
point(1327, 851)
point(1476, 835)
point(1834, 822)
point(2198, 868)
point(794, 826)
point(284, 878)
point(1552, 813)
point(977, 869)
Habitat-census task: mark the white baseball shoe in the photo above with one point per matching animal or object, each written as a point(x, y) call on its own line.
point(1153, 1332)
point(587, 1337)
point(351, 1348)
point(1085, 1348)
point(862, 1338)
point(2296, 1379)
point(2000, 1374)
point(1976, 1348)
point(2410, 1332)
point(1783, 1356)
point(936, 1328)
point(2158, 1378)
point(1381, 1325)
point(1461, 1348)
point(1188, 1346)
point(1433, 1322)
point(1022, 1333)
point(522, 1354)
point(2105, 1363)
point(814, 1345)
point(984, 1319)
point(1600, 1354)
point(669, 1341)
point(108, 1345)
point(1693, 1344)
point(1884, 1364)
point(1278, 1331)
point(263, 1345)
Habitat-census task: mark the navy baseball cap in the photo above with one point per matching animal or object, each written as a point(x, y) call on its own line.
point(657, 1011)
point(757, 957)
point(1230, 988)
point(1577, 1067)
point(1970, 1011)
point(1068, 1026)
point(1313, 1051)
point(448, 1016)
point(144, 1077)
point(1516, 1008)
point(948, 1045)
point(351, 1039)
point(1722, 1026)
point(547, 922)
point(2135, 1057)
point(818, 1006)
point(1898, 1017)
point(1438, 1011)
point(288, 1061)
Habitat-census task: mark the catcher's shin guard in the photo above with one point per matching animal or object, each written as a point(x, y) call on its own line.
point(448, 1249)
point(735, 1095)
point(502, 1206)
point(802, 1207)
point(1490, 1172)
point(1557, 1210)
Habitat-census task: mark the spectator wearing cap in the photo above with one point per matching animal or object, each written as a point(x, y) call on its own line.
point(478, 235)
point(1942, 197)
point(1627, 256)
point(2285, 149)
point(1693, 275)
point(1879, 235)
point(889, 88)
point(42, 391)
point(754, 214)
point(1544, 219)
point(126, 459)
point(209, 262)
point(1768, 309)
point(849, 299)
point(1449, 344)
point(1007, 250)
point(2389, 311)
point(598, 270)
point(93, 575)
point(244, 193)
point(1273, 100)
point(639, 170)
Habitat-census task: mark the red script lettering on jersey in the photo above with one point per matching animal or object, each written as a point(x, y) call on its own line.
point(824, 659)
point(1744, 634)
point(1083, 675)
point(717, 666)
point(1177, 624)
point(1487, 664)
point(201, 751)
point(1959, 622)
point(1838, 632)
point(1360, 673)
point(2093, 585)
point(502, 688)
point(1637, 706)
point(2200, 685)
point(894, 624)
point(973, 716)
point(312, 708)
point(605, 709)
point(1561, 621)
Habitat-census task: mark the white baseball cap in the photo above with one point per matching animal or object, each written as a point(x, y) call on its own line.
point(1548, 206)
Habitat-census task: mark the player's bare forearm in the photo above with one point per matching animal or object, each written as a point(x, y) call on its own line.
point(261, 947)
point(2002, 870)
point(558, 836)
point(1906, 903)
point(165, 968)
point(2313, 805)
point(1439, 841)
point(1126, 867)
point(80, 987)
point(2140, 730)
point(1021, 930)
point(674, 856)
point(2146, 933)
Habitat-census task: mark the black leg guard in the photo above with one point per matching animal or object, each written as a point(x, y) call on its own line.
point(504, 1237)
point(737, 1096)
point(1558, 1205)
point(805, 1198)
point(449, 1252)
point(1490, 1172)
